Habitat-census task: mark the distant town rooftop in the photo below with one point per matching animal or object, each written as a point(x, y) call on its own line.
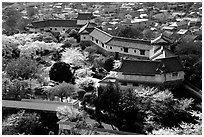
point(139, 20)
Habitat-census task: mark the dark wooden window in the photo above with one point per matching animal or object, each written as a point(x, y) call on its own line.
point(110, 47)
point(50, 28)
point(96, 41)
point(135, 50)
point(123, 83)
point(102, 45)
point(175, 74)
point(156, 49)
point(126, 50)
point(142, 52)
point(55, 28)
point(135, 84)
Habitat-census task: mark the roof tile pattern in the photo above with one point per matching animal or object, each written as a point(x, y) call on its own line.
point(100, 35)
point(55, 23)
point(85, 16)
point(147, 67)
point(162, 39)
point(130, 43)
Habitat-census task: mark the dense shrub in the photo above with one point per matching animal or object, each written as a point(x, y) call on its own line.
point(74, 56)
point(109, 64)
point(69, 113)
point(99, 61)
point(128, 32)
point(144, 109)
point(183, 129)
point(15, 89)
point(84, 44)
point(62, 90)
point(88, 84)
point(73, 33)
point(38, 48)
point(191, 56)
point(11, 20)
point(10, 50)
point(91, 49)
point(24, 68)
point(47, 37)
point(60, 71)
point(167, 111)
point(66, 44)
point(56, 56)
point(83, 72)
point(21, 123)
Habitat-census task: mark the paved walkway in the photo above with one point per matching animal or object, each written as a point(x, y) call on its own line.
point(33, 104)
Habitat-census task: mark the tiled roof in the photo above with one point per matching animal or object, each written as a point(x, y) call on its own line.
point(88, 27)
point(100, 35)
point(167, 53)
point(162, 39)
point(147, 67)
point(91, 25)
point(171, 64)
point(141, 67)
point(129, 42)
point(55, 23)
point(139, 20)
point(168, 33)
point(168, 28)
point(189, 38)
point(182, 31)
point(85, 16)
point(180, 23)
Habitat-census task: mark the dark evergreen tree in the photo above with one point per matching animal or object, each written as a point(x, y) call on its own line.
point(109, 64)
point(60, 72)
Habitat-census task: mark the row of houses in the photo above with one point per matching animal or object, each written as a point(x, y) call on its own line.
point(138, 48)
point(154, 63)
point(131, 73)
point(121, 45)
point(59, 25)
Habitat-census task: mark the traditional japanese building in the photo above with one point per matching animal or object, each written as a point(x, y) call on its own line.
point(163, 71)
point(84, 18)
point(121, 45)
point(54, 25)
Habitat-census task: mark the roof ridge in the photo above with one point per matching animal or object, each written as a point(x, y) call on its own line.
point(103, 31)
point(131, 38)
point(176, 56)
point(141, 60)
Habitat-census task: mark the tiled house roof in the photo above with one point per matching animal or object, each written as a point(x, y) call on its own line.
point(88, 28)
point(167, 53)
point(182, 31)
point(55, 23)
point(162, 39)
point(171, 64)
point(189, 38)
point(129, 42)
point(85, 16)
point(177, 24)
point(139, 67)
point(100, 35)
point(147, 67)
